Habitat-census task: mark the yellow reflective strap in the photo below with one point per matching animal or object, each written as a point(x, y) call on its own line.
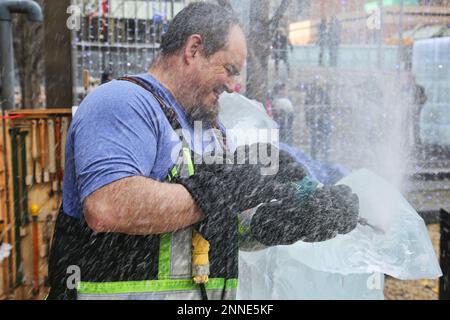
point(200, 249)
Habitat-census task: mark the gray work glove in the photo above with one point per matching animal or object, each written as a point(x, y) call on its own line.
point(319, 216)
point(238, 183)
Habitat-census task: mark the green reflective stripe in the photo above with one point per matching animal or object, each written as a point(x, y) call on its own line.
point(151, 286)
point(164, 256)
point(188, 159)
point(242, 230)
point(245, 220)
point(232, 284)
point(165, 245)
point(172, 174)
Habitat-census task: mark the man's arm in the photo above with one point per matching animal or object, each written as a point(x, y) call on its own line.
point(141, 206)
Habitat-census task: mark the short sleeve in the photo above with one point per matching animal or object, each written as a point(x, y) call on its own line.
point(114, 136)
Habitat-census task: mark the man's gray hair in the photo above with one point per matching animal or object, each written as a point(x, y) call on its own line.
point(210, 21)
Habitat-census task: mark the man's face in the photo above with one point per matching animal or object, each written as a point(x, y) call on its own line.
point(215, 74)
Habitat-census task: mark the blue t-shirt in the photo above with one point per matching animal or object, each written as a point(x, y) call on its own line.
point(118, 131)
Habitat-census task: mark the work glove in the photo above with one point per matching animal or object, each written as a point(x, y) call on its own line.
point(243, 180)
point(289, 170)
point(258, 174)
point(306, 216)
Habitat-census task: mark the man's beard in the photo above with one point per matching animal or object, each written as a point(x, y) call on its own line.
point(208, 116)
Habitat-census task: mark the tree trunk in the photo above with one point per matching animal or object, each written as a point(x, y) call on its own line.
point(259, 41)
point(29, 59)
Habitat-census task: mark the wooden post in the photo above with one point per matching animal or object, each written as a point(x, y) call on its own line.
point(58, 55)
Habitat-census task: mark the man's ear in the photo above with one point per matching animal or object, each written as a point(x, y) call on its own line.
point(192, 48)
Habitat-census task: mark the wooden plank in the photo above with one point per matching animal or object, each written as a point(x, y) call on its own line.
point(40, 112)
point(58, 54)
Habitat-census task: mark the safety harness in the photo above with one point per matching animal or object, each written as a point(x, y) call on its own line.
point(176, 265)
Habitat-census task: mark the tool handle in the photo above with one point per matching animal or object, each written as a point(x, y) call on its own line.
point(86, 79)
point(29, 177)
point(34, 141)
point(42, 143)
point(58, 147)
point(35, 290)
point(51, 146)
point(38, 172)
point(64, 128)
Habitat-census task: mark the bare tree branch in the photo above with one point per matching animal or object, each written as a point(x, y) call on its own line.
point(279, 14)
point(225, 3)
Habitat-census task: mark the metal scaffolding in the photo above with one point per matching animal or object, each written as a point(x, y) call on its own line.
point(119, 37)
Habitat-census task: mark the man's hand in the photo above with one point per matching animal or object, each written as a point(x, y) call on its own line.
point(239, 183)
point(321, 216)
